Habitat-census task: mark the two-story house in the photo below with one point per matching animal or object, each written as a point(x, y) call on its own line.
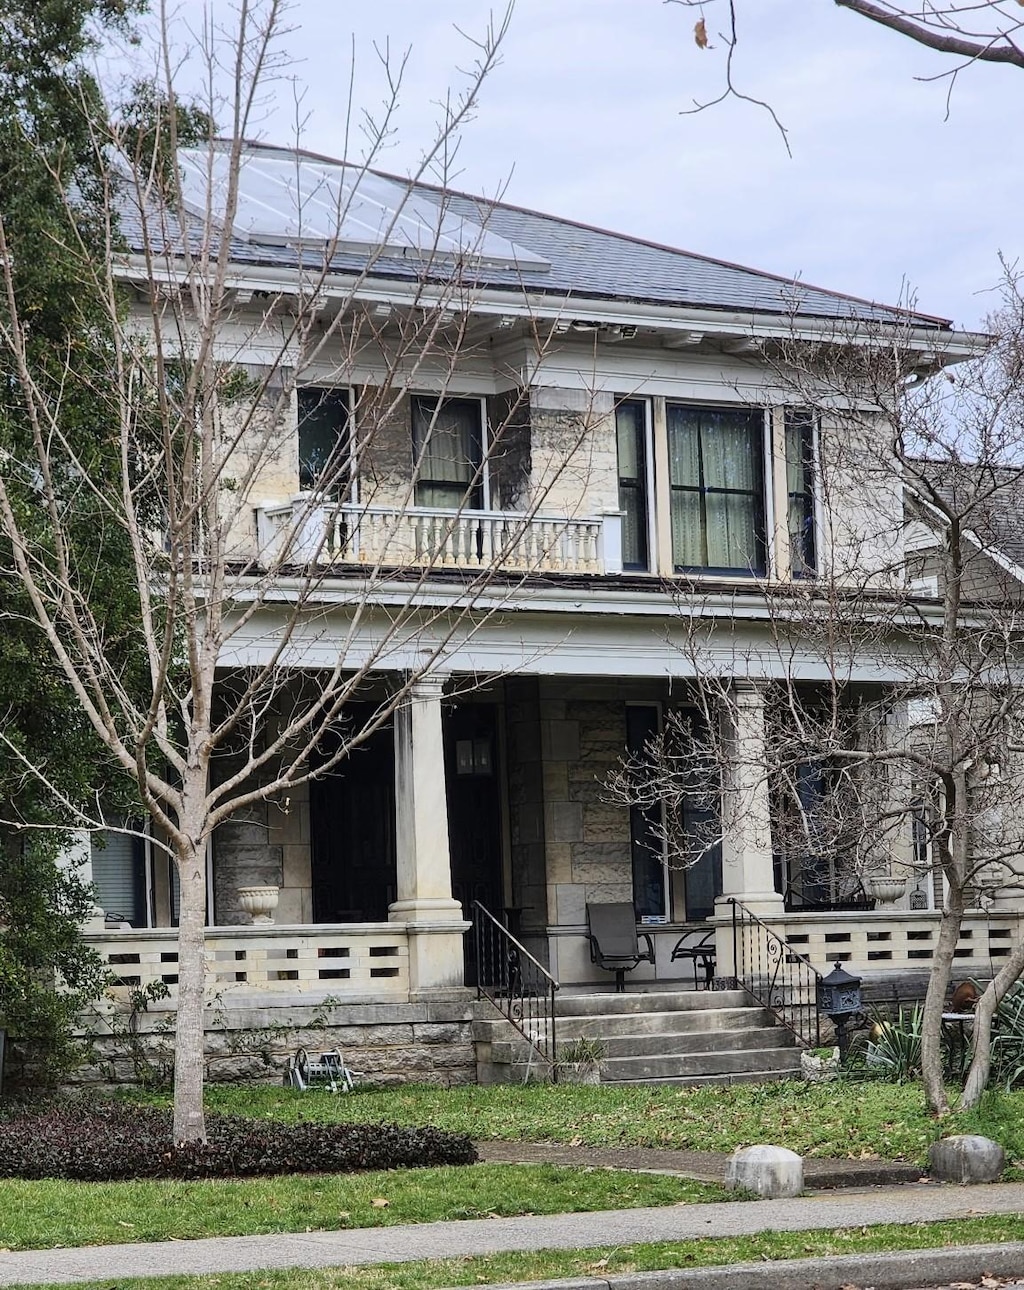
point(594, 435)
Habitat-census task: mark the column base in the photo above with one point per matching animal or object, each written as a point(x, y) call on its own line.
point(435, 928)
point(765, 904)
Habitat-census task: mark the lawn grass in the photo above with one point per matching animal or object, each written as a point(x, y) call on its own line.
point(850, 1120)
point(597, 1261)
point(52, 1212)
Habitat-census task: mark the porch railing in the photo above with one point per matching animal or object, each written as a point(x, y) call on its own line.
point(348, 960)
point(776, 975)
point(306, 532)
point(522, 989)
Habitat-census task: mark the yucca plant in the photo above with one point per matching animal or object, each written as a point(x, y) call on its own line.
point(1008, 1039)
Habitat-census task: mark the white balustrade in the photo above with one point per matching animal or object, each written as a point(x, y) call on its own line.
point(303, 532)
point(898, 941)
point(367, 960)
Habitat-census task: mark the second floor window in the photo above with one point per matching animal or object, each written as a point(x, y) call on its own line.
point(631, 443)
point(323, 440)
point(447, 437)
point(716, 478)
point(800, 491)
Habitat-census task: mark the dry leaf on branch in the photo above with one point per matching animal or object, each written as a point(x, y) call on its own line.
point(700, 33)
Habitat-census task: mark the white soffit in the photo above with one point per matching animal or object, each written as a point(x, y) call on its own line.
point(295, 200)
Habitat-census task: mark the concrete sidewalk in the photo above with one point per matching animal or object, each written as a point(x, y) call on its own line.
point(401, 1244)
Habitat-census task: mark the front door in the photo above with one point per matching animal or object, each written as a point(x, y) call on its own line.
point(474, 811)
point(352, 834)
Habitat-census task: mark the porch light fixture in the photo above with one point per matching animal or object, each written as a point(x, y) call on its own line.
point(840, 999)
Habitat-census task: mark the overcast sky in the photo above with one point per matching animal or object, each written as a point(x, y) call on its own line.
point(584, 118)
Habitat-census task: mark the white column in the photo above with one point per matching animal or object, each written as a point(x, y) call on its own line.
point(425, 904)
point(747, 869)
point(77, 856)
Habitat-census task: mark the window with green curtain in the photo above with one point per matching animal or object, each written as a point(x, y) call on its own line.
point(716, 480)
point(799, 423)
point(323, 440)
point(447, 438)
point(631, 442)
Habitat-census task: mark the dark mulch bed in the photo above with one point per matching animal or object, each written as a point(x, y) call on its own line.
point(107, 1141)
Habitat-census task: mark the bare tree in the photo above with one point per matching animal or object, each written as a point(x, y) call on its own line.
point(211, 707)
point(893, 676)
point(968, 31)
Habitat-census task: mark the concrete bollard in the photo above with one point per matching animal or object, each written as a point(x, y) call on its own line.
point(769, 1172)
point(966, 1158)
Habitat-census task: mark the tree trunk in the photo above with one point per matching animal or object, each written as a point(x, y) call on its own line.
point(988, 1002)
point(189, 1120)
point(935, 1001)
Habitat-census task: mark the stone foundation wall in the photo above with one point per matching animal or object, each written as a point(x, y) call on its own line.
point(389, 1044)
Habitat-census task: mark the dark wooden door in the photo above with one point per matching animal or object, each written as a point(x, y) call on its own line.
point(352, 835)
point(474, 811)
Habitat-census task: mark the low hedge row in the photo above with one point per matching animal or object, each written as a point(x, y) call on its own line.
point(95, 1141)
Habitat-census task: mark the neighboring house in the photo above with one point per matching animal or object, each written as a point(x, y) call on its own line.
point(652, 473)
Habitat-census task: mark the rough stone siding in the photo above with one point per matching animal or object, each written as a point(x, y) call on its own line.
point(243, 857)
point(573, 452)
point(383, 436)
point(389, 1044)
point(588, 839)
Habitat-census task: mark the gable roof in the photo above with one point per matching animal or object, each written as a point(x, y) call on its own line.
point(541, 254)
point(989, 501)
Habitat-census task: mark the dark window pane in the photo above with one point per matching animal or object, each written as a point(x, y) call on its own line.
point(645, 845)
point(448, 449)
point(800, 492)
point(323, 440)
point(119, 876)
point(631, 439)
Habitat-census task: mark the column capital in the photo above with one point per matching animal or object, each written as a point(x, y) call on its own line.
point(429, 686)
point(749, 694)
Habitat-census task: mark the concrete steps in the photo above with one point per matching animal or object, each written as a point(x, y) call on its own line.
point(678, 1037)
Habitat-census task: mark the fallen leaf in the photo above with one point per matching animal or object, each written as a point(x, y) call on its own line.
point(379, 1202)
point(122, 1223)
point(601, 1263)
point(700, 33)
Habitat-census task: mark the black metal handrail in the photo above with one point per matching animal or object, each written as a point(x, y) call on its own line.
point(776, 975)
point(522, 989)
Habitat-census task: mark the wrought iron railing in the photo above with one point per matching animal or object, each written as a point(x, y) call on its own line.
point(776, 975)
point(522, 989)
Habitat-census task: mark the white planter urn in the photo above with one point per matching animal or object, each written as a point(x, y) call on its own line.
point(885, 888)
point(259, 903)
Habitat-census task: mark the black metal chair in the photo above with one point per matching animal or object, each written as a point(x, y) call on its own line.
point(614, 944)
point(698, 946)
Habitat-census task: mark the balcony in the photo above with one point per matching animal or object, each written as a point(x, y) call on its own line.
point(303, 532)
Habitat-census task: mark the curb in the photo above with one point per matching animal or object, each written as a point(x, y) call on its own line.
point(893, 1271)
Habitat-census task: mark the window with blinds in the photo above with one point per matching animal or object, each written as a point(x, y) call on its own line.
point(119, 876)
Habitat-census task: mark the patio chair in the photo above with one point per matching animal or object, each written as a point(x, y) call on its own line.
point(698, 946)
point(614, 944)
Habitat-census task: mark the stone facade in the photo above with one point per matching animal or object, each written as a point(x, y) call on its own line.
point(389, 1044)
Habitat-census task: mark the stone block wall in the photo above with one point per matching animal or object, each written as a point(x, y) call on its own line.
point(573, 451)
point(588, 839)
point(390, 1044)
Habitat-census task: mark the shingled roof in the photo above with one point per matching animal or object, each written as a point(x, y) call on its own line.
point(565, 259)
